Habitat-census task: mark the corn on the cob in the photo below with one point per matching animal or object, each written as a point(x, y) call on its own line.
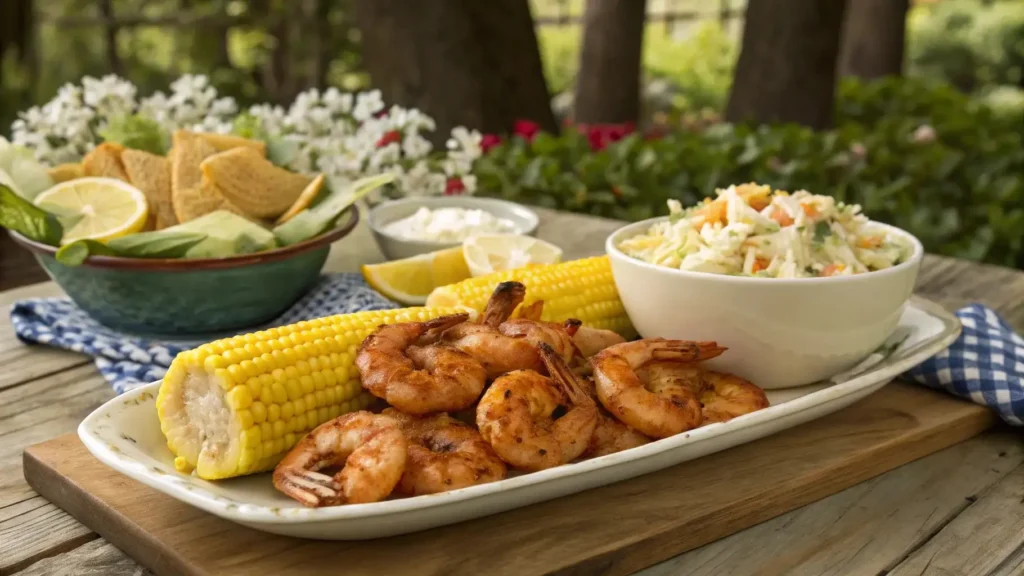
point(581, 289)
point(237, 405)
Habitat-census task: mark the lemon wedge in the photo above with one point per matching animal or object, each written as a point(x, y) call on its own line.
point(101, 208)
point(410, 280)
point(489, 253)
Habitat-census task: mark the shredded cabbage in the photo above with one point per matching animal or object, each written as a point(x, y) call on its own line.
point(748, 230)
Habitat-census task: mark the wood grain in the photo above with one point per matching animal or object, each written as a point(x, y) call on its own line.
point(863, 528)
point(655, 516)
point(985, 539)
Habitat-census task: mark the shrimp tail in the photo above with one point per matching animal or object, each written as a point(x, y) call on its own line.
point(683, 351)
point(564, 377)
point(444, 322)
point(532, 311)
point(504, 300)
point(572, 326)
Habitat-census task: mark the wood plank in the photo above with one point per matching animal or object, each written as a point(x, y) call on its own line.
point(35, 529)
point(655, 516)
point(94, 558)
point(988, 538)
point(38, 411)
point(862, 529)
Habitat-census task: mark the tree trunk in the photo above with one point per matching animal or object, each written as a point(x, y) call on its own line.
point(608, 84)
point(16, 28)
point(472, 63)
point(787, 66)
point(874, 36)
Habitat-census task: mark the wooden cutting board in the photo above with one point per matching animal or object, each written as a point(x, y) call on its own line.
point(614, 529)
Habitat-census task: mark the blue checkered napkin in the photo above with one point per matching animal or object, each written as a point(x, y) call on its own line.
point(128, 361)
point(985, 365)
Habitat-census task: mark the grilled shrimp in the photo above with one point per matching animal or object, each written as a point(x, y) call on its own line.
point(498, 353)
point(370, 448)
point(609, 435)
point(727, 396)
point(444, 454)
point(535, 422)
point(588, 341)
point(662, 407)
point(419, 379)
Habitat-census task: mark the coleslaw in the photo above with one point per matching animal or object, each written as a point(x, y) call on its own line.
point(749, 230)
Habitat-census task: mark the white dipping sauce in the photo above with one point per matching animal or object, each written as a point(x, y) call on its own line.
point(448, 225)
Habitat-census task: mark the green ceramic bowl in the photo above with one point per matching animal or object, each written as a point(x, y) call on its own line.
point(191, 297)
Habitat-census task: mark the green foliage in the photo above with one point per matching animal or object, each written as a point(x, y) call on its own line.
point(968, 43)
point(921, 157)
point(137, 132)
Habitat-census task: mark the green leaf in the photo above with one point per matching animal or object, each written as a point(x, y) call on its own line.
point(76, 252)
point(281, 151)
point(21, 171)
point(30, 221)
point(158, 244)
point(137, 132)
point(316, 220)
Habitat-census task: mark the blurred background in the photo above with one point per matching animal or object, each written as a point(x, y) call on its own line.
point(912, 108)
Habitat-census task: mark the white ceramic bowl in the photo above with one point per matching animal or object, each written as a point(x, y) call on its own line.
point(780, 333)
point(395, 248)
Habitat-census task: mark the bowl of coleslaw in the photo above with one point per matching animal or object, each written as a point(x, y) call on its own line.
point(798, 286)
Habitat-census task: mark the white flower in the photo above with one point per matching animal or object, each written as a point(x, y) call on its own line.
point(367, 105)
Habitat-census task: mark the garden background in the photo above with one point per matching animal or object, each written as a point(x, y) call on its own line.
point(915, 110)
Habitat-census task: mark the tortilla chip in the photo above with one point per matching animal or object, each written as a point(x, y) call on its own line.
point(224, 142)
point(152, 174)
point(253, 183)
point(105, 161)
point(189, 150)
point(304, 200)
point(65, 172)
point(191, 203)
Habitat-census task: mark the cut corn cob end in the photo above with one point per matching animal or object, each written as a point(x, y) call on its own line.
point(582, 289)
point(236, 406)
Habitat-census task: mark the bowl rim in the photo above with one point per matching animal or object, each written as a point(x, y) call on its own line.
point(613, 251)
point(372, 218)
point(184, 264)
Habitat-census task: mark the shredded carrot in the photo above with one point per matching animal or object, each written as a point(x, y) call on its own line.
point(713, 212)
point(780, 216)
point(760, 264)
point(832, 270)
point(869, 242)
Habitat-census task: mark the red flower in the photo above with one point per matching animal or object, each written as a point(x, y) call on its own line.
point(381, 114)
point(601, 135)
point(454, 187)
point(526, 129)
point(389, 138)
point(489, 141)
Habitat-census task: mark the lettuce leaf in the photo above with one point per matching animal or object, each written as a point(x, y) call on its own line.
point(21, 171)
point(137, 132)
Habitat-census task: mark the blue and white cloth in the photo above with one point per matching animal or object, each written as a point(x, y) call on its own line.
point(127, 361)
point(985, 365)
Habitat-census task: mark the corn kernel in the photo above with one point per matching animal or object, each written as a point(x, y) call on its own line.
point(273, 412)
point(321, 398)
point(287, 410)
point(280, 394)
point(259, 412)
point(319, 383)
point(290, 439)
point(300, 406)
point(301, 423)
point(323, 414)
point(279, 429)
point(251, 436)
point(214, 362)
point(293, 388)
point(267, 431)
point(310, 401)
point(245, 419)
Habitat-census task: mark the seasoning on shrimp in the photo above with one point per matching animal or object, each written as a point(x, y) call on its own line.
point(535, 422)
point(444, 454)
point(419, 379)
point(659, 408)
point(727, 396)
point(370, 448)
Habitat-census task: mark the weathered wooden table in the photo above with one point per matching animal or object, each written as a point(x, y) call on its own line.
point(958, 511)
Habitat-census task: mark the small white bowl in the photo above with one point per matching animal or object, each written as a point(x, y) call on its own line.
point(395, 248)
point(780, 333)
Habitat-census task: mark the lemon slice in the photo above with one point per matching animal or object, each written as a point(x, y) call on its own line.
point(102, 208)
point(488, 253)
point(410, 280)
